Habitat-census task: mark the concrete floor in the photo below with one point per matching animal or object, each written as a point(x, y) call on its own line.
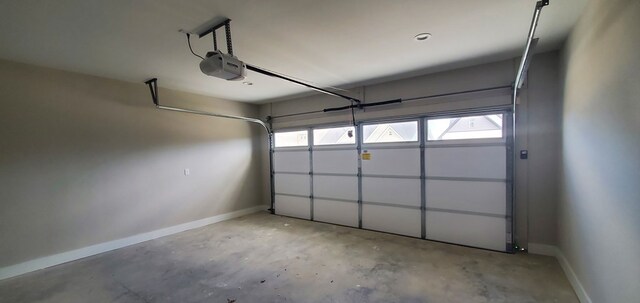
point(266, 258)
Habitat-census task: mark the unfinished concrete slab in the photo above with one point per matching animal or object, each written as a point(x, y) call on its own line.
point(268, 258)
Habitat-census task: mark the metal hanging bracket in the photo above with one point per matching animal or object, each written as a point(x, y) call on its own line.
point(210, 27)
point(153, 88)
point(212, 30)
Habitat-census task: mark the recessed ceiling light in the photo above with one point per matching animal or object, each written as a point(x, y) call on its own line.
point(422, 37)
point(247, 83)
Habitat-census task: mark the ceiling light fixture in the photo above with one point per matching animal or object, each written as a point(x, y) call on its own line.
point(422, 37)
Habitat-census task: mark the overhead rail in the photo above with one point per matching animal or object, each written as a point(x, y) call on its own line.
point(283, 77)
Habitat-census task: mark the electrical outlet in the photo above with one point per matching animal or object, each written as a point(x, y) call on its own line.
point(187, 172)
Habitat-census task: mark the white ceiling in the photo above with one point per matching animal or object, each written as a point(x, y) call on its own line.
point(328, 42)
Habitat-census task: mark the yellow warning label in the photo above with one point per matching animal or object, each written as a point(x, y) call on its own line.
point(366, 155)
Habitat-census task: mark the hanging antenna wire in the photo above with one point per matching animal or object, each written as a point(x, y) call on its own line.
point(190, 48)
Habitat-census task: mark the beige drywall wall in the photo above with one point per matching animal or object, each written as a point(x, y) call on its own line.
point(85, 160)
point(599, 216)
point(537, 118)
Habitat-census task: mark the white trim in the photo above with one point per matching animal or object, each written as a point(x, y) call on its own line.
point(550, 250)
point(573, 278)
point(48, 261)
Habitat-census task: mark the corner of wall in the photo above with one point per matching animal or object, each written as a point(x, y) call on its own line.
point(554, 251)
point(598, 210)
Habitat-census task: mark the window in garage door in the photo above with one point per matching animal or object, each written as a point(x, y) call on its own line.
point(462, 128)
point(390, 132)
point(334, 136)
point(292, 138)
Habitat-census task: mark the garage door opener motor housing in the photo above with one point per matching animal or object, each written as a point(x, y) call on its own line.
point(224, 66)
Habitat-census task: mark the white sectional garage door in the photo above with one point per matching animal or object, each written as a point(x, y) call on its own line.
point(440, 178)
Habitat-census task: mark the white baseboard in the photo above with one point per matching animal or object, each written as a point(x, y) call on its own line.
point(573, 278)
point(550, 250)
point(48, 261)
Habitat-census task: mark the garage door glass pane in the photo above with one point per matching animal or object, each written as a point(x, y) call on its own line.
point(288, 139)
point(390, 132)
point(336, 135)
point(472, 127)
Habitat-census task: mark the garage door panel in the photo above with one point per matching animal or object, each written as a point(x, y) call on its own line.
point(473, 196)
point(298, 207)
point(291, 161)
point(337, 212)
point(398, 191)
point(293, 184)
point(467, 162)
point(337, 187)
point(400, 162)
point(397, 220)
point(472, 230)
point(335, 161)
